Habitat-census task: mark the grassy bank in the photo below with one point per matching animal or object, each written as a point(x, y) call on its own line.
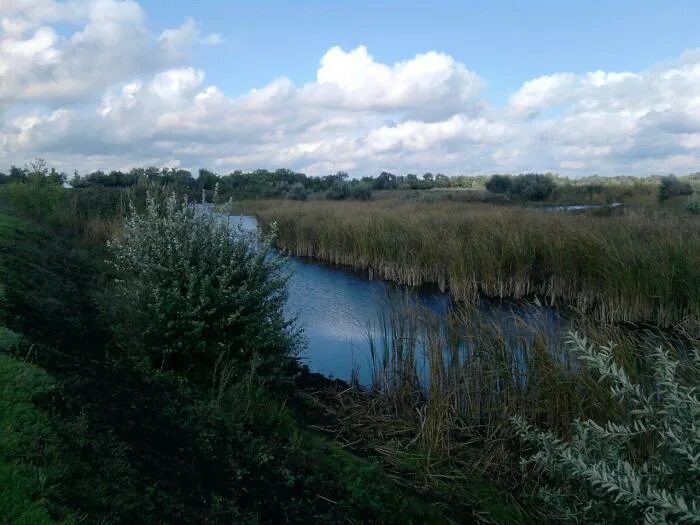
point(112, 426)
point(30, 462)
point(87, 434)
point(632, 266)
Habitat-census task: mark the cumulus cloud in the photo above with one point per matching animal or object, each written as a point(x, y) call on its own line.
point(113, 44)
point(112, 94)
point(354, 80)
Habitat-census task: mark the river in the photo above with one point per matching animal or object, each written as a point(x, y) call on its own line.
point(335, 306)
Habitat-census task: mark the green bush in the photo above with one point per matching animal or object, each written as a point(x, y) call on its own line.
point(692, 205)
point(672, 187)
point(499, 184)
point(643, 469)
point(188, 292)
point(533, 186)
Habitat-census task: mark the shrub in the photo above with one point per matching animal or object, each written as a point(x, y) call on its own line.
point(298, 192)
point(692, 205)
point(672, 187)
point(499, 184)
point(361, 193)
point(338, 192)
point(533, 186)
point(645, 468)
point(343, 191)
point(189, 292)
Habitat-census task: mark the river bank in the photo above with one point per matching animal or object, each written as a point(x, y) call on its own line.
point(641, 266)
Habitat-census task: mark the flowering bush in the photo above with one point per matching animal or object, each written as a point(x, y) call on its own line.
point(643, 469)
point(188, 292)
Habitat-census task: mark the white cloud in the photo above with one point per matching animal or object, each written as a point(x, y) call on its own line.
point(212, 39)
point(113, 45)
point(112, 94)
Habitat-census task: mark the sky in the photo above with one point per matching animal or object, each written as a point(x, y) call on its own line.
point(577, 88)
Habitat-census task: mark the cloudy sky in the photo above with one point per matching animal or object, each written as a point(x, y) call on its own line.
point(454, 87)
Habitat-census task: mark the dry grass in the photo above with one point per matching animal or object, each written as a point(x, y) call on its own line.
point(438, 410)
point(636, 266)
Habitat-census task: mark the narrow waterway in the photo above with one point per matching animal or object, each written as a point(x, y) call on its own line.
point(337, 308)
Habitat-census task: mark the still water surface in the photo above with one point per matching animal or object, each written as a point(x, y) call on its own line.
point(335, 306)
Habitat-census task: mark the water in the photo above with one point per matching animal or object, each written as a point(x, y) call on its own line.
point(579, 207)
point(335, 306)
point(247, 223)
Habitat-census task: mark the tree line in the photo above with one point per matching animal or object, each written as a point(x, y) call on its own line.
point(286, 183)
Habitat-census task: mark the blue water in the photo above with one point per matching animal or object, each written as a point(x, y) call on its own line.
point(581, 207)
point(335, 307)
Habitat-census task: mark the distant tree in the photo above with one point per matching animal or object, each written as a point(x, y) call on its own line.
point(37, 167)
point(413, 182)
point(338, 192)
point(533, 186)
point(17, 174)
point(672, 187)
point(298, 192)
point(361, 193)
point(499, 184)
point(442, 181)
point(385, 181)
point(54, 177)
point(207, 179)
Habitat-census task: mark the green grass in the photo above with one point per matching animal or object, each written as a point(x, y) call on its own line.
point(82, 435)
point(637, 266)
point(29, 464)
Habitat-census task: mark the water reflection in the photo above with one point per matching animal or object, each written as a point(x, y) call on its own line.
point(338, 308)
point(334, 307)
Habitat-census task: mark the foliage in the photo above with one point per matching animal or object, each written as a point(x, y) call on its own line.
point(188, 292)
point(499, 184)
point(533, 186)
point(671, 186)
point(345, 191)
point(112, 443)
point(44, 283)
point(9, 340)
point(530, 186)
point(599, 474)
point(692, 205)
point(30, 459)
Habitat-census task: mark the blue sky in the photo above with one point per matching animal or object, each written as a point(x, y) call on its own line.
point(576, 88)
point(506, 42)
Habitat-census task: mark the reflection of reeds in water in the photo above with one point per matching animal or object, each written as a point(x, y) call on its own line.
point(444, 388)
point(475, 367)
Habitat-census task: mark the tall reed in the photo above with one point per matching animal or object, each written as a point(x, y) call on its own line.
point(639, 266)
point(444, 389)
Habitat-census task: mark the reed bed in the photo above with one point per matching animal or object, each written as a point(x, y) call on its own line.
point(444, 390)
point(637, 266)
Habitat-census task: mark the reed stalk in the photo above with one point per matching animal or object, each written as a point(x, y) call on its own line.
point(639, 266)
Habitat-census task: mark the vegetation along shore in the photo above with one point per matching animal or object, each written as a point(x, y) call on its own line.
point(150, 373)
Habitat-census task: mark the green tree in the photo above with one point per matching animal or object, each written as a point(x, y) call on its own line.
point(672, 187)
point(499, 184)
point(533, 186)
